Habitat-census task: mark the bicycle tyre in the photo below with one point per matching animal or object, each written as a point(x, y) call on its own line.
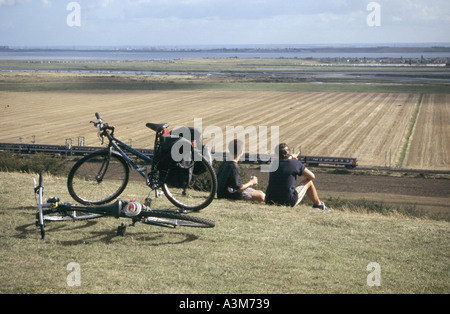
point(51, 216)
point(84, 184)
point(174, 219)
point(199, 193)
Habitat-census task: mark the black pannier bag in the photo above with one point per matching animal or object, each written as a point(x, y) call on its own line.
point(176, 161)
point(199, 150)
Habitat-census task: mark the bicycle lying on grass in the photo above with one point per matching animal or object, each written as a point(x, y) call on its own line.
point(188, 181)
point(52, 209)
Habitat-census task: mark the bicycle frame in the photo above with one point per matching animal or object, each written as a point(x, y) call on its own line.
point(120, 147)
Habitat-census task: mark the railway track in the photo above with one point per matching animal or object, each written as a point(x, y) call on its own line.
point(310, 161)
point(69, 150)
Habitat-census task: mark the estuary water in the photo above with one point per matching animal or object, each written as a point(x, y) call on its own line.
point(123, 55)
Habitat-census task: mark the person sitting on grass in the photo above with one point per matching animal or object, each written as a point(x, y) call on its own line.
point(283, 189)
point(229, 185)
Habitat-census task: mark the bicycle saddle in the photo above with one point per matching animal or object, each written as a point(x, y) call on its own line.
point(157, 127)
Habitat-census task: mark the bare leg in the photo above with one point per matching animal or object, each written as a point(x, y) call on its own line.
point(258, 196)
point(312, 194)
point(311, 191)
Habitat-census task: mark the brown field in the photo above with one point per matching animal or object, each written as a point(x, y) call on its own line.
point(369, 126)
point(430, 145)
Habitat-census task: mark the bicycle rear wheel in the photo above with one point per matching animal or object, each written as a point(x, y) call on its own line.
point(173, 219)
point(50, 215)
point(196, 191)
point(98, 178)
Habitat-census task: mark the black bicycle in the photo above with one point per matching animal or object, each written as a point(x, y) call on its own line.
point(180, 166)
point(52, 210)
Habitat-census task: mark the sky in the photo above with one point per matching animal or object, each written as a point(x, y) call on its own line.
point(163, 23)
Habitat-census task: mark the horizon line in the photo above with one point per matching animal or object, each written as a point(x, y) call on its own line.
point(233, 46)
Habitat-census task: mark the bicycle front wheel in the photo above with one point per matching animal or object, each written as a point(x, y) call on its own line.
point(191, 189)
point(98, 178)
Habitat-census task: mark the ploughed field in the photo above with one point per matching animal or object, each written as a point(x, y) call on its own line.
point(397, 129)
point(430, 145)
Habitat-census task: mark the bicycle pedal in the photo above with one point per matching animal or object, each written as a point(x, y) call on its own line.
point(121, 230)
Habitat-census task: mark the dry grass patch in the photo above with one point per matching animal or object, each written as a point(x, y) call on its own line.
point(253, 249)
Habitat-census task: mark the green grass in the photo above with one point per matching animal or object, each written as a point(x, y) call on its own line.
point(253, 249)
point(412, 126)
point(32, 163)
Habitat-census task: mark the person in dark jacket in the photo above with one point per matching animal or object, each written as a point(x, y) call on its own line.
point(283, 188)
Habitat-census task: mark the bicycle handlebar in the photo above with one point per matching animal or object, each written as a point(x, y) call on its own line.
point(100, 125)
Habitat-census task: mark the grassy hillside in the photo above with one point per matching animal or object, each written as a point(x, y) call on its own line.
point(252, 249)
